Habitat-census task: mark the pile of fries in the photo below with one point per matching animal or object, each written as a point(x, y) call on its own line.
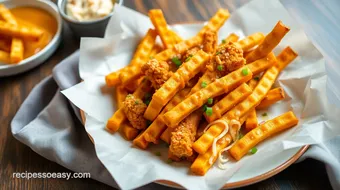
point(196, 94)
point(12, 36)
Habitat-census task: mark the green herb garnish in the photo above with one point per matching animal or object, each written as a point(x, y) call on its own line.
point(204, 84)
point(253, 150)
point(147, 102)
point(264, 114)
point(151, 57)
point(220, 67)
point(210, 101)
point(257, 78)
point(224, 41)
point(188, 58)
point(169, 161)
point(204, 107)
point(245, 72)
point(158, 154)
point(176, 61)
point(217, 53)
point(209, 111)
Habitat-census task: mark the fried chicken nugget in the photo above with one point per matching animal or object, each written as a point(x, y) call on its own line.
point(184, 136)
point(210, 41)
point(228, 58)
point(134, 109)
point(158, 72)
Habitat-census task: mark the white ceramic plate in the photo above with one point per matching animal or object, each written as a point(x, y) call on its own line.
point(37, 59)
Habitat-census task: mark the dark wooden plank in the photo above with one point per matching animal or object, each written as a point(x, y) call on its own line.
point(16, 157)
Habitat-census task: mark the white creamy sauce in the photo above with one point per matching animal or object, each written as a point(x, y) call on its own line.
point(85, 10)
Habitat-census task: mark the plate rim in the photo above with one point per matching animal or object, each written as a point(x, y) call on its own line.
point(232, 185)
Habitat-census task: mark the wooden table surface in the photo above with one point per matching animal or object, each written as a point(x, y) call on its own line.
point(16, 157)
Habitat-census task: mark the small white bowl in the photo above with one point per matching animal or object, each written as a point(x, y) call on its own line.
point(40, 57)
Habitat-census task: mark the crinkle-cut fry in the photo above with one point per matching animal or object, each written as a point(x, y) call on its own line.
point(201, 128)
point(24, 32)
point(262, 132)
point(175, 83)
point(214, 24)
point(166, 135)
point(216, 21)
point(141, 55)
point(229, 101)
point(17, 50)
point(128, 131)
point(140, 142)
point(253, 83)
point(121, 94)
point(272, 97)
point(5, 45)
point(201, 164)
point(6, 15)
point(251, 121)
point(155, 50)
point(4, 57)
point(132, 86)
point(261, 65)
point(196, 100)
point(119, 117)
point(250, 41)
point(208, 77)
point(176, 37)
point(232, 38)
point(159, 22)
point(285, 57)
point(157, 127)
point(269, 42)
point(17, 47)
point(258, 94)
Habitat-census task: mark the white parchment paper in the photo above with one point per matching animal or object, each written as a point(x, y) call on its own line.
point(304, 82)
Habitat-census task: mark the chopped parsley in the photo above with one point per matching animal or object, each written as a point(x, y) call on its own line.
point(151, 57)
point(147, 102)
point(253, 150)
point(176, 61)
point(204, 108)
point(209, 111)
point(136, 102)
point(257, 78)
point(204, 84)
point(264, 114)
point(217, 53)
point(245, 72)
point(188, 58)
point(220, 67)
point(224, 41)
point(210, 101)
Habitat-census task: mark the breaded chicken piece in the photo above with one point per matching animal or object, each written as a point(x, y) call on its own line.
point(134, 109)
point(191, 52)
point(183, 136)
point(157, 72)
point(228, 58)
point(210, 42)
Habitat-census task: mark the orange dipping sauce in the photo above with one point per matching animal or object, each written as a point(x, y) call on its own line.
point(35, 17)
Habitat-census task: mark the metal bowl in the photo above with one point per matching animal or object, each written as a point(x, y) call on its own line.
point(93, 28)
point(46, 52)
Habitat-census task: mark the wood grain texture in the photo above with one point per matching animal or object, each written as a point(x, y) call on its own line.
point(16, 157)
